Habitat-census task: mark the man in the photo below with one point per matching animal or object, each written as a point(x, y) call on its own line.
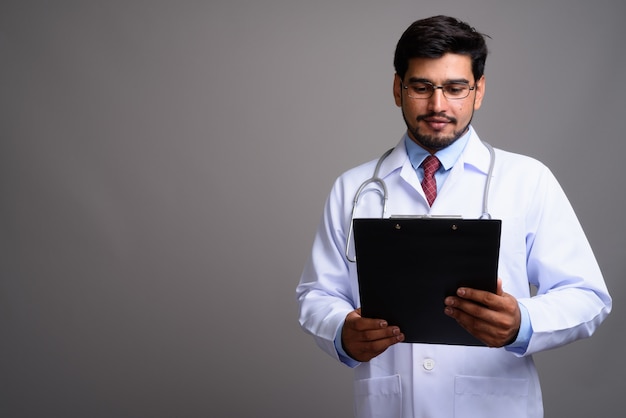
point(438, 85)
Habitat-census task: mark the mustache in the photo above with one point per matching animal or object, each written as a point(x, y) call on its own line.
point(437, 115)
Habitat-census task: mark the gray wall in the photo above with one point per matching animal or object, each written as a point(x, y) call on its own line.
point(163, 166)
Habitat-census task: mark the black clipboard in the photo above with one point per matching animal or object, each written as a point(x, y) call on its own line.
point(407, 266)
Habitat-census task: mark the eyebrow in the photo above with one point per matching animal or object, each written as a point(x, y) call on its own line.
point(425, 80)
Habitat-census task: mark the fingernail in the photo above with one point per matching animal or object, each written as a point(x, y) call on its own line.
point(383, 324)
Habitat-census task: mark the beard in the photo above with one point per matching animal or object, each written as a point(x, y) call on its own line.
point(432, 142)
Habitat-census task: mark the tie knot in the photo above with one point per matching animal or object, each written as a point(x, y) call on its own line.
point(430, 164)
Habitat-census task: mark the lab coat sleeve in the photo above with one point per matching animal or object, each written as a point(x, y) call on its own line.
point(326, 292)
point(572, 299)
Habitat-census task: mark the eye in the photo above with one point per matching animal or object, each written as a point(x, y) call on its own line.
point(420, 88)
point(455, 89)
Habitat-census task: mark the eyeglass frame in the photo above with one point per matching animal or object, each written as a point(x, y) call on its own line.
point(441, 86)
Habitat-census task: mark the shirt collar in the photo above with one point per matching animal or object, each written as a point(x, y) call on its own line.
point(447, 156)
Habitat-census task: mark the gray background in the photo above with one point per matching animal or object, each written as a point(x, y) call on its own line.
point(163, 166)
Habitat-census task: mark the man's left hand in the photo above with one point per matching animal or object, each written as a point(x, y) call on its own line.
point(492, 318)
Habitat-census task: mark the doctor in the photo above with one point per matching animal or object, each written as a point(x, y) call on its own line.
point(438, 85)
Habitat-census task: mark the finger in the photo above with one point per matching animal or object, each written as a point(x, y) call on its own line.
point(493, 327)
point(476, 296)
point(364, 338)
point(481, 296)
point(479, 328)
point(468, 310)
point(367, 350)
point(392, 333)
point(358, 323)
point(499, 290)
point(359, 329)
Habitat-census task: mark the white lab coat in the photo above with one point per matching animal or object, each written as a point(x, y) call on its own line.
point(542, 244)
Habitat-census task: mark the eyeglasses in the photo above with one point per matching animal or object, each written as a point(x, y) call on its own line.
point(425, 90)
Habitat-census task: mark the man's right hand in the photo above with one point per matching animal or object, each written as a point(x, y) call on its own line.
point(365, 338)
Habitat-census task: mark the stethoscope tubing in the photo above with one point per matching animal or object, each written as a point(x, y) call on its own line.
point(375, 179)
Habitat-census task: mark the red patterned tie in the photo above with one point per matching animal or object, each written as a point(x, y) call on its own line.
point(429, 184)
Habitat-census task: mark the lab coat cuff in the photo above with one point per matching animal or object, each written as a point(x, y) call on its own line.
point(520, 345)
point(343, 356)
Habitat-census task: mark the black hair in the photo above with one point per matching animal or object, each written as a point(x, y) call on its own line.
point(435, 36)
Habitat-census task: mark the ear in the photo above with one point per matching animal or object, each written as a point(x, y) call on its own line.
point(397, 90)
point(480, 92)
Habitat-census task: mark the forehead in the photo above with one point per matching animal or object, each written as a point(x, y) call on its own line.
point(438, 70)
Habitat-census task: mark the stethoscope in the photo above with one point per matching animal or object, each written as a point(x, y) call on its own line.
point(375, 179)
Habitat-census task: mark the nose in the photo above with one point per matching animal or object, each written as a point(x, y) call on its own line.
point(437, 102)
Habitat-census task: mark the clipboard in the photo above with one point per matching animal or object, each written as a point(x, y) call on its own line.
point(407, 266)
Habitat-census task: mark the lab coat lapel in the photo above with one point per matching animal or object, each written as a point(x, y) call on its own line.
point(395, 160)
point(475, 157)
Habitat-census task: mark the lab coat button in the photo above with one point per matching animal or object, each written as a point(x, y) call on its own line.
point(429, 364)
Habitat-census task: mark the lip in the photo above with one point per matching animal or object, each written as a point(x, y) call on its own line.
point(437, 124)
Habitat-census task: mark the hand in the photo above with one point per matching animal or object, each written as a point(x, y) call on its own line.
point(365, 338)
point(492, 318)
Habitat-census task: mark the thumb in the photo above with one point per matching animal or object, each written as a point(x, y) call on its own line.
point(499, 290)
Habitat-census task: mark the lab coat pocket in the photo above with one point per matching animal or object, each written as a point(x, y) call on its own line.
point(489, 397)
point(378, 397)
